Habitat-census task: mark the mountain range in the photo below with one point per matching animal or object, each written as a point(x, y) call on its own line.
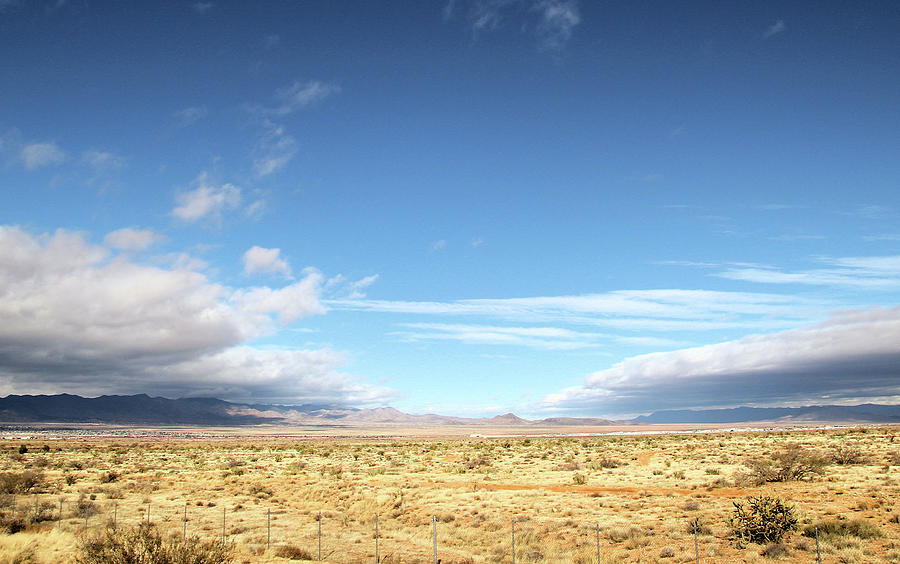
point(142, 409)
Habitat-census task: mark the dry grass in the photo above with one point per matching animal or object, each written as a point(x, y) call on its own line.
point(641, 495)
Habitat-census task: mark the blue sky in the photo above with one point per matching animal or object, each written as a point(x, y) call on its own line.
point(549, 207)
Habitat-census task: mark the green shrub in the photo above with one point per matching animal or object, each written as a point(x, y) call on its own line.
point(833, 529)
point(763, 519)
point(144, 545)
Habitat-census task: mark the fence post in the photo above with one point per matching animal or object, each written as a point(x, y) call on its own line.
point(320, 536)
point(376, 539)
point(184, 524)
point(696, 546)
point(85, 517)
point(223, 526)
point(513, 525)
point(36, 510)
point(115, 513)
point(434, 534)
point(268, 528)
point(818, 554)
point(59, 523)
point(148, 512)
point(598, 543)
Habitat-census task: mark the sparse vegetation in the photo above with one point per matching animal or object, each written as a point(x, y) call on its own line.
point(794, 462)
point(832, 529)
point(647, 507)
point(145, 544)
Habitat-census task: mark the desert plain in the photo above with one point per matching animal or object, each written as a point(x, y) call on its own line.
point(647, 494)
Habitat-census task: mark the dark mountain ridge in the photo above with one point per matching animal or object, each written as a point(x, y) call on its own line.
point(141, 409)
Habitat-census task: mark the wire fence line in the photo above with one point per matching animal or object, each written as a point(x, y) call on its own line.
point(323, 535)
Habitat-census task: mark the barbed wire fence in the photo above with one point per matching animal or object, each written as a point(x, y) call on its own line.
point(324, 535)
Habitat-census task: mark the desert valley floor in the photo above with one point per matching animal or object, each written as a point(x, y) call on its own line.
point(268, 492)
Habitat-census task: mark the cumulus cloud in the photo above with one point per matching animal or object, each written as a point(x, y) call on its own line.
point(206, 200)
point(129, 239)
point(38, 155)
point(854, 356)
point(260, 259)
point(74, 317)
point(289, 304)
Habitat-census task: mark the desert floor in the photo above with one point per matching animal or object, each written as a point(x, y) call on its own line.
point(639, 495)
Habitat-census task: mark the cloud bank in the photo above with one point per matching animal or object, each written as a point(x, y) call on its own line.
point(854, 356)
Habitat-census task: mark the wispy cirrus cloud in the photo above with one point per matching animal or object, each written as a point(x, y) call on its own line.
point(300, 95)
point(875, 272)
point(552, 21)
point(558, 19)
point(778, 27)
point(274, 149)
point(628, 310)
point(190, 115)
point(547, 338)
point(852, 356)
point(103, 161)
point(39, 155)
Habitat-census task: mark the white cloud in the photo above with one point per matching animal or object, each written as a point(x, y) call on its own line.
point(852, 355)
point(206, 200)
point(357, 289)
point(103, 160)
point(259, 259)
point(558, 20)
point(439, 245)
point(289, 304)
point(300, 95)
point(637, 310)
point(190, 115)
point(774, 29)
point(256, 209)
point(554, 24)
point(37, 155)
point(202, 7)
point(73, 319)
point(874, 273)
point(552, 338)
point(274, 150)
point(129, 239)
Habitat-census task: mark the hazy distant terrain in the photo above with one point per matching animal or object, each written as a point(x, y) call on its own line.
point(142, 409)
